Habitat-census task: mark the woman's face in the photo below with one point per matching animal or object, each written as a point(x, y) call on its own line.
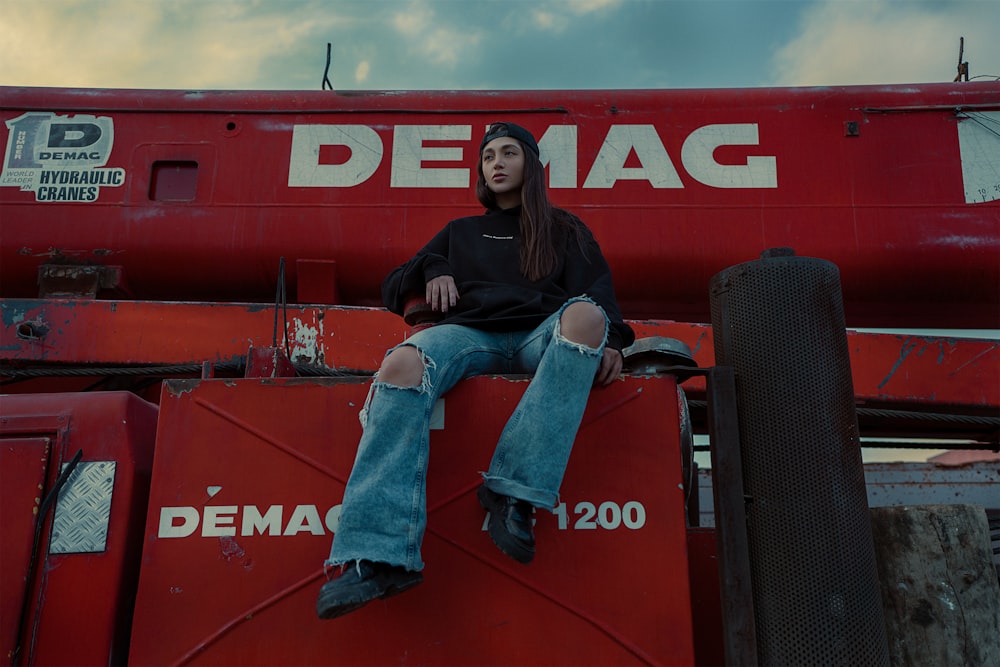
point(503, 169)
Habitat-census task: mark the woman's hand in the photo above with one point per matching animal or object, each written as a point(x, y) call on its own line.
point(610, 368)
point(442, 293)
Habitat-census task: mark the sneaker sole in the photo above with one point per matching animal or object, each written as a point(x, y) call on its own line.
point(498, 533)
point(361, 597)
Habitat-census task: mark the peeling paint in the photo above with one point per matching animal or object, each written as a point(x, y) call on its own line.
point(232, 551)
point(179, 387)
point(697, 344)
point(305, 342)
point(908, 345)
point(12, 316)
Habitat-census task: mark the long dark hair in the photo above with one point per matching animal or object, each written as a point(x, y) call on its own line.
point(542, 224)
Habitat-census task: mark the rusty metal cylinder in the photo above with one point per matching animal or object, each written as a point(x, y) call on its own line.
point(779, 322)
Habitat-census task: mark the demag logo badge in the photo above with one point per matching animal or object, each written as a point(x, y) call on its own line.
point(60, 158)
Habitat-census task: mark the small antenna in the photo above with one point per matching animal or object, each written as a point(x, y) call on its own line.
point(326, 73)
point(963, 67)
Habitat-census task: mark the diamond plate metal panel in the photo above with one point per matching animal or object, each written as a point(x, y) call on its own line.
point(84, 509)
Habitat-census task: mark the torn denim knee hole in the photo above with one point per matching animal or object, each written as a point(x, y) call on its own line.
point(579, 347)
point(423, 388)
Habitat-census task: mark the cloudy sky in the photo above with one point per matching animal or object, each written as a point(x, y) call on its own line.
point(486, 44)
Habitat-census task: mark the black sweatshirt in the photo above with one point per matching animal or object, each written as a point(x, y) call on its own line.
point(482, 253)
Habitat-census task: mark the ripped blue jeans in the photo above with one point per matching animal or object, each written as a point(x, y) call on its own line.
point(384, 511)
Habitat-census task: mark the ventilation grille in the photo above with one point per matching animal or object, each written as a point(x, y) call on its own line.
point(779, 323)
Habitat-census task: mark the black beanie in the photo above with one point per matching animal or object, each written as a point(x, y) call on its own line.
point(497, 130)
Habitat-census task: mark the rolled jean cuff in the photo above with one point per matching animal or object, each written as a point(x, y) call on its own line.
point(341, 562)
point(537, 497)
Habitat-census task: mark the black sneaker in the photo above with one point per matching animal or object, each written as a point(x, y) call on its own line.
point(360, 583)
point(510, 524)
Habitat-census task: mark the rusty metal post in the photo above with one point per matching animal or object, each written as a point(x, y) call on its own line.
point(739, 633)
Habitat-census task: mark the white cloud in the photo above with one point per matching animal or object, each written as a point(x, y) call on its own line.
point(432, 37)
point(414, 20)
point(74, 43)
point(121, 43)
point(588, 6)
point(548, 21)
point(844, 43)
point(557, 17)
point(361, 71)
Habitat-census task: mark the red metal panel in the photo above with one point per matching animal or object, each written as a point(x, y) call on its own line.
point(887, 369)
point(887, 204)
point(609, 584)
point(906, 371)
point(23, 466)
point(706, 603)
point(136, 332)
point(925, 371)
point(82, 602)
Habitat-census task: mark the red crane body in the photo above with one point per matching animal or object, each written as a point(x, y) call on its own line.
point(196, 195)
point(141, 235)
